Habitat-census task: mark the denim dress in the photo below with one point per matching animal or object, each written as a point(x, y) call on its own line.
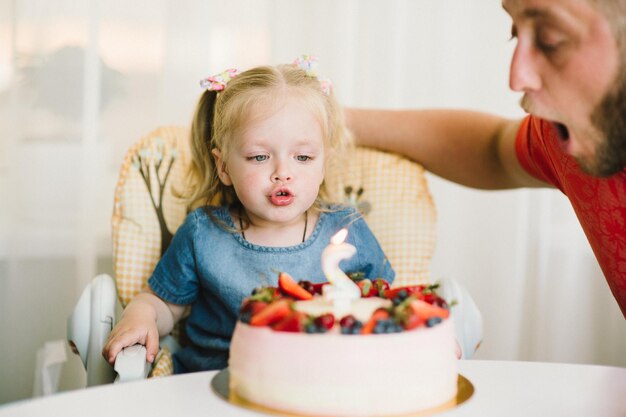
point(213, 270)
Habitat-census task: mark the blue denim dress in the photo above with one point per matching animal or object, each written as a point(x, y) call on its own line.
point(213, 270)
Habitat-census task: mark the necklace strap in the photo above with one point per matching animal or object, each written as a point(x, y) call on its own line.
point(243, 235)
point(306, 222)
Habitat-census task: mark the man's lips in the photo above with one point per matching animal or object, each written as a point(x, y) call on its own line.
point(281, 197)
point(561, 130)
point(563, 135)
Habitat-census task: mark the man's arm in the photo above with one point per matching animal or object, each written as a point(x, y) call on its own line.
point(470, 148)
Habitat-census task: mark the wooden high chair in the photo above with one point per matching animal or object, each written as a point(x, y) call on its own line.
point(390, 191)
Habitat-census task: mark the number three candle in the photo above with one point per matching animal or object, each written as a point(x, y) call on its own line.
point(342, 290)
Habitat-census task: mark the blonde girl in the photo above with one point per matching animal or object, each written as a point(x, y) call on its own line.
point(261, 142)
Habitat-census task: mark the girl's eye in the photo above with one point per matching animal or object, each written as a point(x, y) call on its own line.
point(257, 158)
point(303, 158)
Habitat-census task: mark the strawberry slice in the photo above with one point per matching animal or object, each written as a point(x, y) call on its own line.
point(412, 321)
point(253, 306)
point(289, 286)
point(294, 322)
point(380, 314)
point(272, 313)
point(410, 289)
point(424, 310)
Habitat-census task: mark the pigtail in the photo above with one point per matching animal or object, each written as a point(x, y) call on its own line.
point(203, 181)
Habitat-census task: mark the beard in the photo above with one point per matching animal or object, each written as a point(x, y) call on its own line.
point(609, 117)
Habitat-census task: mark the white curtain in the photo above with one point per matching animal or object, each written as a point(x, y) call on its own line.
point(81, 81)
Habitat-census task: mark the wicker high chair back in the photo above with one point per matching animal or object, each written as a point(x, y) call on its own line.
point(390, 191)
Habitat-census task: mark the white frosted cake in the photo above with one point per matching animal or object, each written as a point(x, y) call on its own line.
point(392, 352)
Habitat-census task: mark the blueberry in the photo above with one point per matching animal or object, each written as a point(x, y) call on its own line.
point(433, 321)
point(379, 327)
point(382, 326)
point(310, 328)
point(245, 317)
point(356, 328)
point(400, 297)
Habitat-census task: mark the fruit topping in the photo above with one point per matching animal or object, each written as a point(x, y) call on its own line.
point(312, 287)
point(412, 306)
point(433, 321)
point(307, 285)
point(387, 326)
point(249, 308)
point(290, 287)
point(356, 276)
point(325, 321)
point(425, 310)
point(411, 321)
point(266, 294)
point(318, 287)
point(378, 315)
point(294, 322)
point(320, 324)
point(403, 292)
point(350, 325)
point(381, 286)
point(367, 288)
point(273, 313)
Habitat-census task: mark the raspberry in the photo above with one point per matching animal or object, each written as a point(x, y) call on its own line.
point(307, 285)
point(347, 321)
point(325, 321)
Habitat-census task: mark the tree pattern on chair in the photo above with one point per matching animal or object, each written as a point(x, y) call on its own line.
point(353, 198)
point(148, 161)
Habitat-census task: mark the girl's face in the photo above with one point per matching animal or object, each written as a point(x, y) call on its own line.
point(276, 165)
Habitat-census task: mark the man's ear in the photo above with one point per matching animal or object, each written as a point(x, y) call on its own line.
point(220, 164)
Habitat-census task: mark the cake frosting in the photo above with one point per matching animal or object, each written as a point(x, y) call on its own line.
point(337, 372)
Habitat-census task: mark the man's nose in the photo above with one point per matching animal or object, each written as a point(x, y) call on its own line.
point(523, 75)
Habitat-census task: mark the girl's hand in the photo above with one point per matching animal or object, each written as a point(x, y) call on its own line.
point(132, 329)
point(144, 320)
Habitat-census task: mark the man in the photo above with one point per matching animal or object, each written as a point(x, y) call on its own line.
point(570, 63)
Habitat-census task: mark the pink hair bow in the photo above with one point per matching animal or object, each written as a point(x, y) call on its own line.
point(218, 82)
point(309, 63)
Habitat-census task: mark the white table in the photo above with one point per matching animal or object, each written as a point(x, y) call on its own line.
point(501, 389)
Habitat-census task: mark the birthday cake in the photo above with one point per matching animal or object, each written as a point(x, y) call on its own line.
point(297, 348)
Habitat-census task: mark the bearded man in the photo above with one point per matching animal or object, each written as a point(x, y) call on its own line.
point(570, 64)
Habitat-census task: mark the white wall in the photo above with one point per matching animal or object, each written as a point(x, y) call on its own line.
point(80, 81)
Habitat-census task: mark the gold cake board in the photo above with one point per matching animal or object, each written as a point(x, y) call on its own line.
point(220, 385)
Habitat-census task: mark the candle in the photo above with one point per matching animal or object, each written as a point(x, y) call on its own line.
point(342, 290)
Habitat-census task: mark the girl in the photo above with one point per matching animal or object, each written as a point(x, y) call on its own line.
point(261, 142)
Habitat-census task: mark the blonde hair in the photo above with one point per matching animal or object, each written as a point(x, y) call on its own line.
point(221, 116)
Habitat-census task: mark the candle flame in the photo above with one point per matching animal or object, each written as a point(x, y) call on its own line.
point(339, 237)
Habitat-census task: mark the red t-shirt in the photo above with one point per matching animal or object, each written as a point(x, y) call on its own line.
point(599, 203)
